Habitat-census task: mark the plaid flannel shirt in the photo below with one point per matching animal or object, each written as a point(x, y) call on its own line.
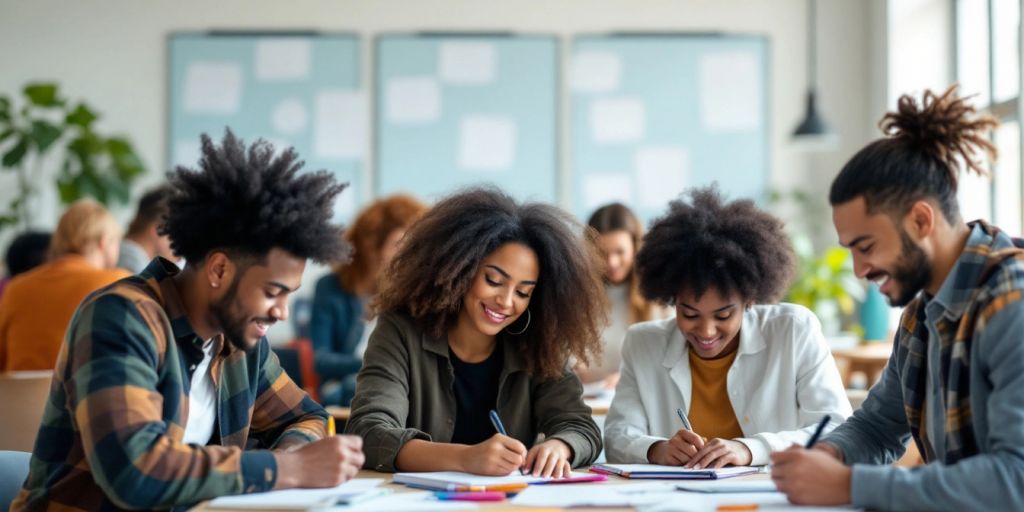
point(111, 434)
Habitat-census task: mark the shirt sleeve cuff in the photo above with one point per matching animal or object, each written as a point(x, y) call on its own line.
point(259, 471)
point(582, 454)
point(759, 450)
point(393, 440)
point(871, 486)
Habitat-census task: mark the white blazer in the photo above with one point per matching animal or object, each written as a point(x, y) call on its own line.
point(780, 385)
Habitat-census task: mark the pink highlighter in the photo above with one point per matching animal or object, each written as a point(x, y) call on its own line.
point(470, 496)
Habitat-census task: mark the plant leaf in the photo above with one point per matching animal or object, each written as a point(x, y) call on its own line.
point(68, 191)
point(81, 116)
point(14, 155)
point(44, 134)
point(7, 133)
point(42, 94)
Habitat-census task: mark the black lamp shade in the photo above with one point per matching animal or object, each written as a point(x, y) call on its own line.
point(812, 124)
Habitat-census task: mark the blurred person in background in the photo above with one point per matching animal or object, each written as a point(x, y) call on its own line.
point(26, 252)
point(142, 242)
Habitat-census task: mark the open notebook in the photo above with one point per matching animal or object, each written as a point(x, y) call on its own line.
point(458, 481)
point(671, 472)
point(353, 491)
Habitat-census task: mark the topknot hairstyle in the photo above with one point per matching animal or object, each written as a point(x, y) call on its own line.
point(920, 157)
point(245, 202)
point(706, 243)
point(442, 251)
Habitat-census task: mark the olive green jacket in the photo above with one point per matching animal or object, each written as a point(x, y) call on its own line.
point(404, 392)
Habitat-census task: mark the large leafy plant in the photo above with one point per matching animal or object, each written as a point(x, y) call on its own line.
point(825, 282)
point(50, 128)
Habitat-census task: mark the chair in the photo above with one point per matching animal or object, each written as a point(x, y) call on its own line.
point(296, 358)
point(27, 393)
point(13, 471)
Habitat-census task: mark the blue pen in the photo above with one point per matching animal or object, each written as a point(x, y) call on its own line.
point(817, 432)
point(682, 417)
point(496, 421)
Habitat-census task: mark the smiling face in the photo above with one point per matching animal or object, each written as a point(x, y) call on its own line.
point(618, 250)
point(257, 298)
point(710, 323)
point(501, 289)
point(882, 251)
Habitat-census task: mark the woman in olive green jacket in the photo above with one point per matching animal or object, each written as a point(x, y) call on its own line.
point(480, 310)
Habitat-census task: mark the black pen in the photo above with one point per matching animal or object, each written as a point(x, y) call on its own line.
point(817, 432)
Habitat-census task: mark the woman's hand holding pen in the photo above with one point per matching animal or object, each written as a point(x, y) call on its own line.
point(677, 450)
point(498, 456)
point(549, 459)
point(717, 452)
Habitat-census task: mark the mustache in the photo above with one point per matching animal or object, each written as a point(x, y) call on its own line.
point(875, 275)
point(266, 320)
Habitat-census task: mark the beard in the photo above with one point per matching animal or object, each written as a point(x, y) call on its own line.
point(913, 271)
point(231, 316)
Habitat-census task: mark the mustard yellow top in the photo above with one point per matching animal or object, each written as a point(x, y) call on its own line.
point(711, 412)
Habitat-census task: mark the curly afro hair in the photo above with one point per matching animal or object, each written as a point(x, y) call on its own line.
point(441, 253)
point(707, 243)
point(246, 202)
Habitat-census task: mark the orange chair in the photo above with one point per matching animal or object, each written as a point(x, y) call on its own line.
point(310, 380)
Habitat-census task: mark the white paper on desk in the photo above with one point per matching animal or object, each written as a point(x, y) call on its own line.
point(289, 116)
point(298, 498)
point(414, 501)
point(413, 100)
point(212, 87)
point(283, 58)
point(600, 495)
point(601, 189)
point(661, 173)
point(467, 63)
point(730, 85)
point(340, 126)
point(593, 72)
point(486, 143)
point(728, 486)
point(618, 120)
point(441, 479)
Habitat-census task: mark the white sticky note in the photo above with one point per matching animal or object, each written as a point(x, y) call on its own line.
point(212, 87)
point(345, 204)
point(467, 63)
point(486, 143)
point(730, 92)
point(592, 72)
point(601, 189)
point(618, 120)
point(661, 174)
point(413, 100)
point(289, 116)
point(283, 59)
point(341, 124)
point(186, 152)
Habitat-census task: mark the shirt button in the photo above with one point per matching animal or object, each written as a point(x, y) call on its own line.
point(192, 368)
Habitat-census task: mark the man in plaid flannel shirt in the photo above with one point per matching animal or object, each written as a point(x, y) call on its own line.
point(166, 392)
point(955, 378)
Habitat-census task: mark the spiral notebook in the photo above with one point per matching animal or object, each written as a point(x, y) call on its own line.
point(654, 471)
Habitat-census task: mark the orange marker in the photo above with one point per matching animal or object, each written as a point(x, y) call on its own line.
point(737, 507)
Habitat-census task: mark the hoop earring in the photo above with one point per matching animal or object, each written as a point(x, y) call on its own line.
point(528, 318)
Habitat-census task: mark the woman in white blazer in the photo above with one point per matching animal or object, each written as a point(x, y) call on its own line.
point(756, 376)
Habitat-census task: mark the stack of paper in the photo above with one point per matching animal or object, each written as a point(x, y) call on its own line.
point(671, 472)
point(353, 491)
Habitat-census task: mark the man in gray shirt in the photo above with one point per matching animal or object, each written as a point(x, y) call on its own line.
point(955, 378)
point(142, 242)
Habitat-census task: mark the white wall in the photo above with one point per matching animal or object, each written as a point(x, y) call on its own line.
point(113, 54)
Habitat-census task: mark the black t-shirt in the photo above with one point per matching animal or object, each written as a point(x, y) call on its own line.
point(476, 393)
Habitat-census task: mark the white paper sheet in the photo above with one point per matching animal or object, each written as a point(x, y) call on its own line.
point(467, 63)
point(414, 501)
point(582, 495)
point(297, 498)
point(730, 92)
point(728, 486)
point(341, 124)
point(289, 116)
point(212, 87)
point(283, 59)
point(601, 189)
point(487, 143)
point(186, 152)
point(594, 72)
point(413, 100)
point(618, 120)
point(661, 173)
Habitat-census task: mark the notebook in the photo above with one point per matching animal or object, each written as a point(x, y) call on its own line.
point(671, 472)
point(353, 491)
point(458, 481)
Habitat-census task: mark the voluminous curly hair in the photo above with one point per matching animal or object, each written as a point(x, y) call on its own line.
point(246, 202)
point(707, 243)
point(442, 251)
point(368, 233)
point(925, 146)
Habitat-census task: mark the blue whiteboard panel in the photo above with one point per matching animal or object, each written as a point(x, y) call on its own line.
point(454, 111)
point(291, 90)
point(654, 115)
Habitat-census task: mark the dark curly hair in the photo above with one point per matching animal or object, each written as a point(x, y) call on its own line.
point(733, 247)
point(920, 157)
point(247, 201)
point(441, 252)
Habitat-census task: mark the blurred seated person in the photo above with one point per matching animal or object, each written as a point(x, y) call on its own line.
point(37, 306)
point(142, 242)
point(341, 324)
point(26, 252)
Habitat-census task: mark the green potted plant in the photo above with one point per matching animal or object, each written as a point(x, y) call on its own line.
point(91, 164)
point(825, 283)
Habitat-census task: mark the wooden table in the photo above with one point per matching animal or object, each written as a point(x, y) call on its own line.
point(869, 358)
